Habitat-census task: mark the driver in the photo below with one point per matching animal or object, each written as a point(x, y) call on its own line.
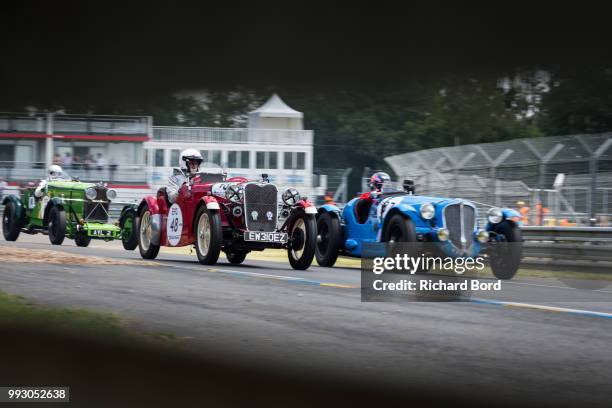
point(55, 173)
point(190, 160)
point(377, 181)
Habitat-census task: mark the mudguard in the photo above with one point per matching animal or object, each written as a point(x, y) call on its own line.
point(127, 209)
point(211, 203)
point(17, 205)
point(54, 202)
point(307, 206)
point(329, 208)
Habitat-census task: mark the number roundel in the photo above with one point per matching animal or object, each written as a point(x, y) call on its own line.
point(174, 225)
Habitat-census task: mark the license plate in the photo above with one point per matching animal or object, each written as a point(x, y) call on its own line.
point(100, 233)
point(258, 236)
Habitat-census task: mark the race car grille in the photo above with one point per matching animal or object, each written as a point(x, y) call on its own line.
point(459, 220)
point(260, 207)
point(95, 212)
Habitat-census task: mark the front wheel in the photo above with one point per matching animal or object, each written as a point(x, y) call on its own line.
point(129, 233)
point(82, 239)
point(148, 250)
point(302, 240)
point(10, 223)
point(507, 251)
point(401, 236)
point(329, 236)
point(57, 225)
point(208, 236)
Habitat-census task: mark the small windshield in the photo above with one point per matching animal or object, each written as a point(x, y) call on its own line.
point(391, 187)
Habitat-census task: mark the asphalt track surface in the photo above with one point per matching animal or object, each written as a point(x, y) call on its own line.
point(552, 352)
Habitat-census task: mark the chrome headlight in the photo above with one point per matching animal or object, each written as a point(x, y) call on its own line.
point(443, 234)
point(495, 215)
point(91, 193)
point(482, 236)
point(291, 196)
point(428, 211)
point(234, 193)
point(111, 194)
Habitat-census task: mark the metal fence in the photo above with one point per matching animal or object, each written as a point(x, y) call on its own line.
point(522, 173)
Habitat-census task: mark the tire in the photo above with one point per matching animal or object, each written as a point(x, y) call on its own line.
point(506, 259)
point(236, 258)
point(56, 225)
point(147, 249)
point(329, 237)
point(82, 239)
point(10, 223)
point(208, 235)
point(302, 240)
point(129, 232)
point(401, 229)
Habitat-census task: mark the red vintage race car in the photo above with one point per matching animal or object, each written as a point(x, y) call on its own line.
point(233, 215)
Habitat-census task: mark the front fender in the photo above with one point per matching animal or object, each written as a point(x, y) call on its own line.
point(307, 206)
point(151, 203)
point(156, 217)
point(211, 203)
point(127, 209)
point(329, 208)
point(17, 205)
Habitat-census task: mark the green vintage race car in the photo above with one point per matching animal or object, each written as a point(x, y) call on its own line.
point(67, 208)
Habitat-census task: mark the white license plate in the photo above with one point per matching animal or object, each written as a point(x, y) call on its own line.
point(258, 236)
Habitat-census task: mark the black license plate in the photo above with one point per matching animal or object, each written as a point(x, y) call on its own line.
point(100, 233)
point(260, 236)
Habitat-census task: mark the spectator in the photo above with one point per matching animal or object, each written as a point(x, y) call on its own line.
point(112, 167)
point(76, 162)
point(57, 159)
point(88, 164)
point(100, 162)
point(67, 160)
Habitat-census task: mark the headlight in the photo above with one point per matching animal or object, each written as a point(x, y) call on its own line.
point(234, 193)
point(482, 236)
point(111, 194)
point(443, 234)
point(495, 215)
point(291, 196)
point(428, 211)
point(91, 193)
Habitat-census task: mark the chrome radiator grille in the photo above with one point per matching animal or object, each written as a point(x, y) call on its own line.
point(98, 212)
point(260, 207)
point(460, 220)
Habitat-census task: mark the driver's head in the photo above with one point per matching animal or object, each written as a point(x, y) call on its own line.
point(378, 179)
point(55, 171)
point(191, 160)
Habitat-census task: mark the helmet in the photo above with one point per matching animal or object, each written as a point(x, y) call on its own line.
point(55, 171)
point(378, 179)
point(190, 155)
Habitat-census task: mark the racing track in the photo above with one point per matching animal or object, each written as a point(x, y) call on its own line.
point(313, 322)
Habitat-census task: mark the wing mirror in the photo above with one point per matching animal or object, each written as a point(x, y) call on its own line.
point(409, 186)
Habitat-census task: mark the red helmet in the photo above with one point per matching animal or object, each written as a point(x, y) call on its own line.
point(378, 179)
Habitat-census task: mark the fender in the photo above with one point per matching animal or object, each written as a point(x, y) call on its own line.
point(329, 208)
point(406, 210)
point(54, 202)
point(127, 209)
point(307, 206)
point(211, 202)
point(156, 217)
point(17, 205)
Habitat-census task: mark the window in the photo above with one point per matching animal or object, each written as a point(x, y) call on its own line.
point(295, 160)
point(301, 161)
point(238, 159)
point(267, 160)
point(159, 158)
point(204, 154)
point(216, 156)
point(175, 160)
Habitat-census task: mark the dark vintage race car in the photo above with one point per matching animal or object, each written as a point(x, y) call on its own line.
point(397, 215)
point(65, 208)
point(233, 215)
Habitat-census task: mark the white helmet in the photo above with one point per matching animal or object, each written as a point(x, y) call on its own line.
point(190, 155)
point(55, 171)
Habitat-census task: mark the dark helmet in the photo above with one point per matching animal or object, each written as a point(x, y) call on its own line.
point(378, 179)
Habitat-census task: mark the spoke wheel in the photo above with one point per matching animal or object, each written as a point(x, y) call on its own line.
point(302, 241)
point(208, 236)
point(147, 249)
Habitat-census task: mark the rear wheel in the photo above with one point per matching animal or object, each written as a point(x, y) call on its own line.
point(329, 236)
point(236, 258)
point(148, 250)
point(507, 251)
point(129, 233)
point(82, 239)
point(10, 223)
point(57, 225)
point(208, 236)
point(302, 241)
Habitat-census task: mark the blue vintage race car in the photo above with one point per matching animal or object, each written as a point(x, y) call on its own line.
point(397, 215)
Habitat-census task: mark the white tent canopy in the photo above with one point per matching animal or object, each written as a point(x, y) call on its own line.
point(276, 114)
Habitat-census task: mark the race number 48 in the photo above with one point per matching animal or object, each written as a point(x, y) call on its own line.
point(174, 226)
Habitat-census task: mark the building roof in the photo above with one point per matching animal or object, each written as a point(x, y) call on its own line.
point(275, 107)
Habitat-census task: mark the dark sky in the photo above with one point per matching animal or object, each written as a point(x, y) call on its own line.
point(54, 52)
